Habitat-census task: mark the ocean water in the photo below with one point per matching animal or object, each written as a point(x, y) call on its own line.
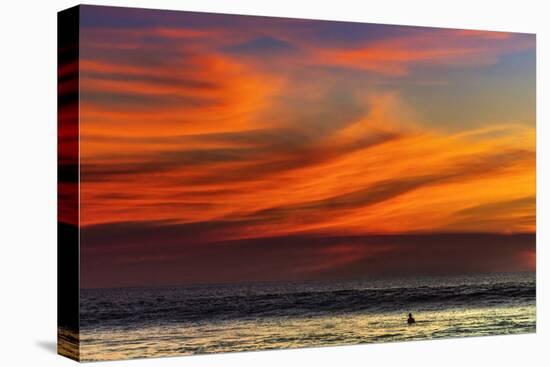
point(141, 322)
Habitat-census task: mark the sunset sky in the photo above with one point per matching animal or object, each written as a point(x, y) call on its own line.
point(221, 148)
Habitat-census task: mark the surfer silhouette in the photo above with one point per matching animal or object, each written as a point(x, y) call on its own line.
point(410, 320)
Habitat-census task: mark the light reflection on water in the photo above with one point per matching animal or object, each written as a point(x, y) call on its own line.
point(294, 332)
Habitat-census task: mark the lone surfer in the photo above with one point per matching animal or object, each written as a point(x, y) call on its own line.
point(410, 320)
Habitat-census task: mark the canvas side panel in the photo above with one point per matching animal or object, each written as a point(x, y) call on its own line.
point(68, 183)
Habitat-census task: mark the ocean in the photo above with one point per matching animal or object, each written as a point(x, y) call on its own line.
point(167, 321)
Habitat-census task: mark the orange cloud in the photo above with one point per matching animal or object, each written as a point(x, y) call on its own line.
point(199, 135)
point(295, 143)
point(395, 56)
point(361, 179)
point(209, 94)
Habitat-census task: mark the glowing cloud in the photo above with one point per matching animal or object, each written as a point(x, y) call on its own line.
point(248, 135)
